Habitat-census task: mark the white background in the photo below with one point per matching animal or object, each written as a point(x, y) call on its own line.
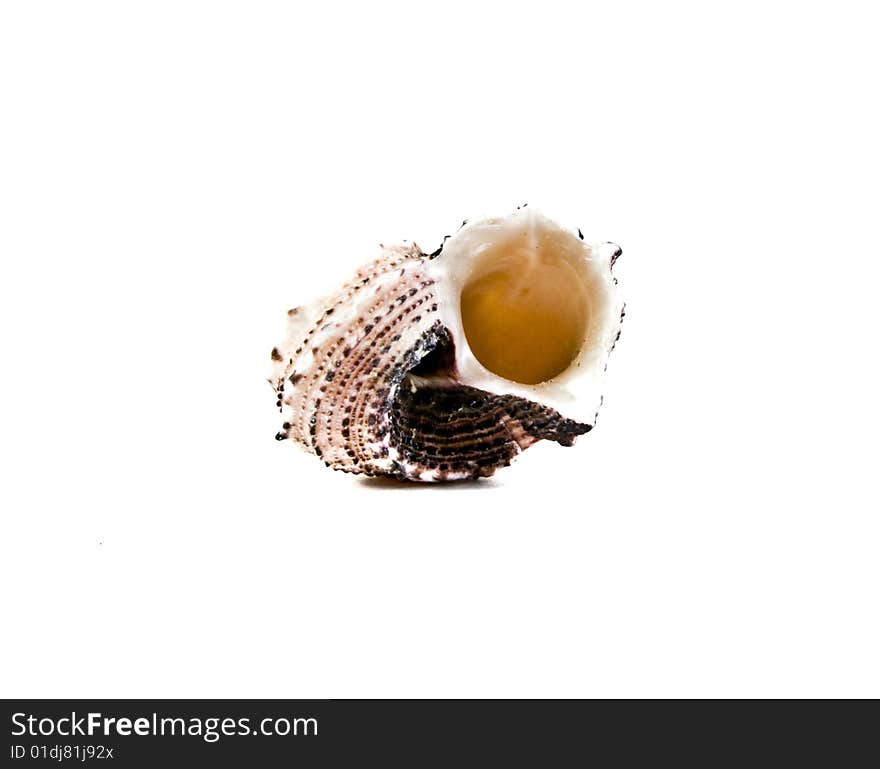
point(174, 176)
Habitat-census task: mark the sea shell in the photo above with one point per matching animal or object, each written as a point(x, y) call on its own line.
point(445, 366)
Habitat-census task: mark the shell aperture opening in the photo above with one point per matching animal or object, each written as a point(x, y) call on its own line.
point(526, 305)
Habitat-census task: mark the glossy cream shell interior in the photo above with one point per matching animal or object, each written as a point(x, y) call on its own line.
point(576, 392)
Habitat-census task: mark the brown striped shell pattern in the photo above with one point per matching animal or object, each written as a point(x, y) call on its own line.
point(445, 366)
